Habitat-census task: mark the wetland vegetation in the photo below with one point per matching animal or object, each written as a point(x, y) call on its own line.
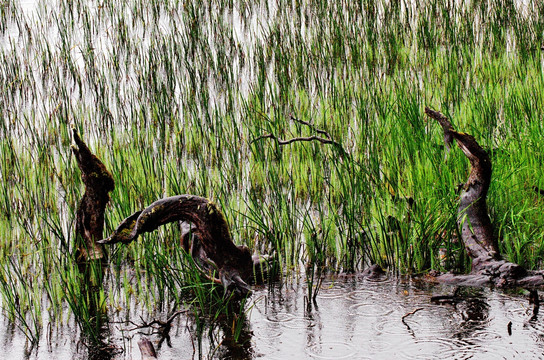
point(193, 97)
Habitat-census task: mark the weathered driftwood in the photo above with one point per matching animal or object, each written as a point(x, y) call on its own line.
point(205, 235)
point(89, 229)
point(474, 223)
point(325, 139)
point(146, 349)
point(90, 213)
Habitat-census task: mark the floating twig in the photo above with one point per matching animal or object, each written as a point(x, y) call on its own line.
point(408, 314)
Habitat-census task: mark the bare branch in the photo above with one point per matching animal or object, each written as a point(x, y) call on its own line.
point(297, 139)
point(319, 131)
point(326, 139)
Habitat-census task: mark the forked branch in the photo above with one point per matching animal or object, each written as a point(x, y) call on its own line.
point(325, 139)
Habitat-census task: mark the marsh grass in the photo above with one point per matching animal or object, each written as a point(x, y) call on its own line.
point(171, 96)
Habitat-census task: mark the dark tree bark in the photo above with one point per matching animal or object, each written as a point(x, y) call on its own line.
point(88, 253)
point(90, 213)
point(205, 232)
point(205, 235)
point(474, 223)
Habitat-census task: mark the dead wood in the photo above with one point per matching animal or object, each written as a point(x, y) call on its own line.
point(326, 138)
point(474, 223)
point(403, 319)
point(205, 236)
point(146, 349)
point(90, 213)
point(159, 327)
point(89, 229)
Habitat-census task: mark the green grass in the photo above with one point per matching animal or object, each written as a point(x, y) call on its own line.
point(171, 96)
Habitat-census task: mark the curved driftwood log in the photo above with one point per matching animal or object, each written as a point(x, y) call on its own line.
point(205, 235)
point(90, 213)
point(474, 223)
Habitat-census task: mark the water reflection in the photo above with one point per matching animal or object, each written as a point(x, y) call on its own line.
point(474, 316)
point(231, 336)
point(277, 325)
point(360, 320)
point(91, 314)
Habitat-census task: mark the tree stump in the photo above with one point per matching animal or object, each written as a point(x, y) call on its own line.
point(477, 234)
point(90, 213)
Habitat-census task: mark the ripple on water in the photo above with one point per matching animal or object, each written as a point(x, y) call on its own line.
point(332, 293)
point(291, 321)
point(424, 320)
point(371, 309)
point(371, 324)
point(423, 349)
point(480, 336)
point(537, 327)
point(378, 280)
point(266, 333)
point(442, 348)
point(331, 350)
point(359, 294)
point(495, 351)
point(393, 326)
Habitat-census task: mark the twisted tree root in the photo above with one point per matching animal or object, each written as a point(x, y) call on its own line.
point(205, 235)
point(473, 220)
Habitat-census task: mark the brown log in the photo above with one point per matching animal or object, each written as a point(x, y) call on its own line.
point(90, 213)
point(146, 349)
point(477, 233)
point(208, 238)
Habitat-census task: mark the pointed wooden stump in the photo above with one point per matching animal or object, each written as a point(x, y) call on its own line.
point(90, 213)
point(473, 220)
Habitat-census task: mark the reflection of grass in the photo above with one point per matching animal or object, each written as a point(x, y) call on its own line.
point(170, 97)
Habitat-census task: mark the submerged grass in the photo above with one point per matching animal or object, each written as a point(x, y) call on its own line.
point(172, 97)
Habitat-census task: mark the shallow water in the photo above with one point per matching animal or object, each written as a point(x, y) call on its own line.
point(353, 319)
point(358, 319)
